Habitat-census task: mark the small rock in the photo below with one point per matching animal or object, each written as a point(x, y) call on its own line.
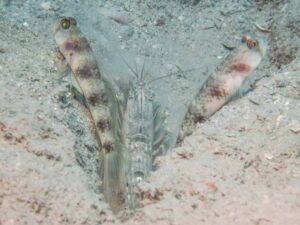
point(228, 46)
point(294, 126)
point(155, 46)
point(280, 83)
point(160, 21)
point(119, 18)
point(46, 6)
point(2, 126)
point(195, 2)
point(141, 22)
point(254, 101)
point(180, 18)
point(127, 33)
point(279, 120)
point(268, 156)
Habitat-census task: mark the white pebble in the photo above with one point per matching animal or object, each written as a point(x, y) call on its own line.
point(46, 6)
point(180, 18)
point(294, 126)
point(279, 120)
point(268, 156)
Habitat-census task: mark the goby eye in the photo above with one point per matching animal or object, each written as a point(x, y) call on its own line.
point(65, 23)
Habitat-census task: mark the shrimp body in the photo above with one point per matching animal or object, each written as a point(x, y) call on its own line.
point(138, 139)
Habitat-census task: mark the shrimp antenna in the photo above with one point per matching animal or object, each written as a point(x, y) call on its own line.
point(136, 68)
point(142, 73)
point(171, 74)
point(130, 68)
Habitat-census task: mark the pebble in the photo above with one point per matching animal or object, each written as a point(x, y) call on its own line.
point(294, 126)
point(118, 17)
point(141, 22)
point(160, 21)
point(254, 101)
point(180, 18)
point(279, 120)
point(126, 33)
point(268, 156)
point(46, 6)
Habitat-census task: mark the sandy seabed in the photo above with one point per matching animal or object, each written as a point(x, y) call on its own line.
point(242, 166)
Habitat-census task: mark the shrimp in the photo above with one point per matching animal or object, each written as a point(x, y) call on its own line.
point(145, 137)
